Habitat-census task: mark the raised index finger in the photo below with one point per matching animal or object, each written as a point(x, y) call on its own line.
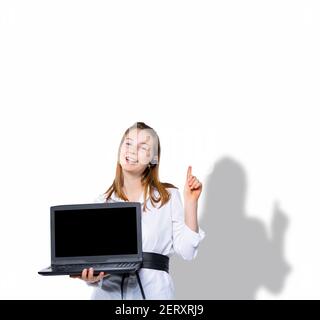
point(189, 172)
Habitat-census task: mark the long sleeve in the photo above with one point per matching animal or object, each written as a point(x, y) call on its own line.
point(185, 240)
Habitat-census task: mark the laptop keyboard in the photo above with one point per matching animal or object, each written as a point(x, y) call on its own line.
point(120, 265)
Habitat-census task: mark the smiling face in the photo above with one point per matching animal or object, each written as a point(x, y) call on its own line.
point(137, 150)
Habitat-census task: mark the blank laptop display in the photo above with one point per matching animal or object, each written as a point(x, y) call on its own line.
point(95, 232)
point(105, 236)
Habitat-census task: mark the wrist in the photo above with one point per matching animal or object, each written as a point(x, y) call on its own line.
point(191, 203)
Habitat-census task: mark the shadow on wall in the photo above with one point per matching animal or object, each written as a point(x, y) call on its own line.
point(237, 257)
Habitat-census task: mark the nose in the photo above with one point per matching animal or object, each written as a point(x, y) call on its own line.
point(132, 149)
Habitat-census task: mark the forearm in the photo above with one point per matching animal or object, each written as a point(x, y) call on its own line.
point(191, 215)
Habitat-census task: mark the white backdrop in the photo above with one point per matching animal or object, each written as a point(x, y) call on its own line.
point(217, 80)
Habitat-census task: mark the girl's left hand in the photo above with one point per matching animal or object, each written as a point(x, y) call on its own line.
point(192, 188)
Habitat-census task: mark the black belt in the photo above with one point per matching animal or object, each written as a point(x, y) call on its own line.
point(151, 260)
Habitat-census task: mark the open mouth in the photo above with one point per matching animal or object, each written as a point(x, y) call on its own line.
point(131, 160)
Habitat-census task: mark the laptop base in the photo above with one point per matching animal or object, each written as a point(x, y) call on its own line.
point(76, 270)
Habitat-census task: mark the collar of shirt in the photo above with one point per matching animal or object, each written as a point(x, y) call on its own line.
point(116, 198)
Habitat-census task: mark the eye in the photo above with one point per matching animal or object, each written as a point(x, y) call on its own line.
point(128, 143)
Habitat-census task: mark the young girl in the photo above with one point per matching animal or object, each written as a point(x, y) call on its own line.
point(167, 227)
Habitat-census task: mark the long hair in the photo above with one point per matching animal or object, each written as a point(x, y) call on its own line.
point(149, 178)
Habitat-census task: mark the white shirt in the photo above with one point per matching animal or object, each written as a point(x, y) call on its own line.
point(164, 232)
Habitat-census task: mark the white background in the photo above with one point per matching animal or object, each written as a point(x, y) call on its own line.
point(213, 78)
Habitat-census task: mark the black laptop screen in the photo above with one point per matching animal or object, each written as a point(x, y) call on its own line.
point(95, 232)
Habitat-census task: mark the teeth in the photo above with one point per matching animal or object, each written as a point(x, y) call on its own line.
point(131, 160)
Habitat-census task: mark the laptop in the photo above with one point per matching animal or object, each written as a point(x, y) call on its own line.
point(104, 236)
